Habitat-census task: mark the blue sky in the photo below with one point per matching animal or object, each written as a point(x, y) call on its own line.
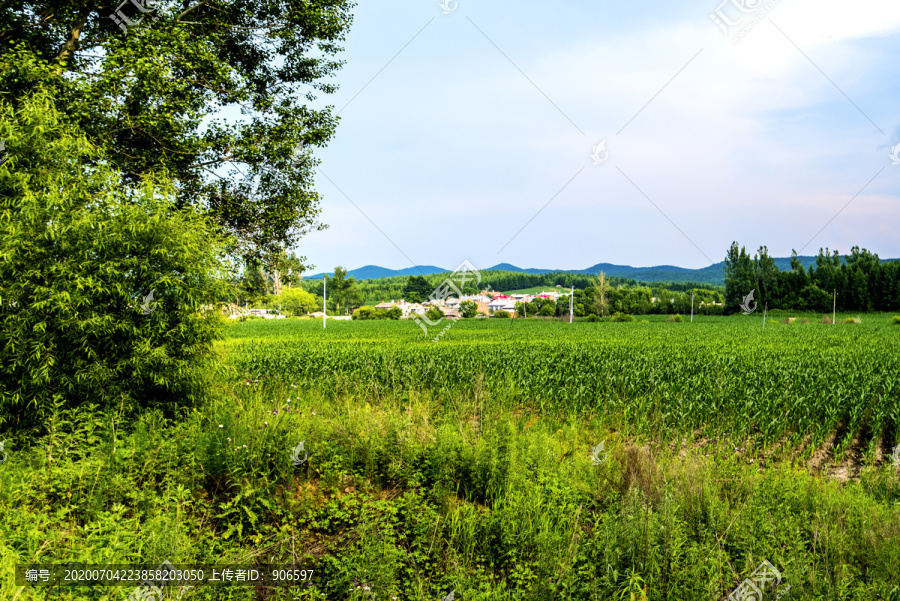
point(475, 141)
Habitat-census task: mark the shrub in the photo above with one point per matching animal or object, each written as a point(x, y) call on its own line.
point(364, 313)
point(673, 318)
point(502, 314)
point(373, 313)
point(81, 255)
point(468, 308)
point(852, 320)
point(593, 317)
point(434, 313)
point(896, 320)
point(622, 317)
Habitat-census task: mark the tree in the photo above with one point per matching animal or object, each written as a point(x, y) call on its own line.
point(601, 287)
point(143, 97)
point(767, 275)
point(502, 314)
point(739, 278)
point(340, 287)
point(394, 312)
point(287, 270)
point(297, 300)
point(468, 308)
point(417, 289)
point(114, 289)
point(434, 313)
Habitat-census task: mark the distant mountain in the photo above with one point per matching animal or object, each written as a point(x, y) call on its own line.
point(660, 273)
point(372, 272)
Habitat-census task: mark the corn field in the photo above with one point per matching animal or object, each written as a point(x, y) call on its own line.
point(795, 383)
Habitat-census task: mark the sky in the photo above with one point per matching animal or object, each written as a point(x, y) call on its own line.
point(565, 135)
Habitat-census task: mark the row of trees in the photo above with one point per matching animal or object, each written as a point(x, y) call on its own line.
point(860, 280)
point(602, 299)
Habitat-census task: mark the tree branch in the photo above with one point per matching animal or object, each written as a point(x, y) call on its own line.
point(219, 160)
point(69, 47)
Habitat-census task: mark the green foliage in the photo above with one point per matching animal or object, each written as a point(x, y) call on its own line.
point(501, 314)
point(468, 308)
point(143, 96)
point(434, 313)
point(297, 300)
point(417, 289)
point(364, 313)
point(79, 256)
point(622, 317)
point(418, 482)
point(675, 318)
point(896, 320)
point(861, 280)
point(340, 288)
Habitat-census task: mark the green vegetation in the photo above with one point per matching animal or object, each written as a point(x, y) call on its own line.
point(419, 288)
point(862, 281)
point(464, 465)
point(373, 313)
point(145, 97)
point(468, 309)
point(92, 306)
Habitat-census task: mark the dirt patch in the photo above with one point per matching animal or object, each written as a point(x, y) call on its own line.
point(824, 454)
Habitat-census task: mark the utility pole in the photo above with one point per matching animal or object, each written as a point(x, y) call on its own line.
point(324, 300)
point(765, 312)
point(834, 307)
point(572, 304)
point(692, 308)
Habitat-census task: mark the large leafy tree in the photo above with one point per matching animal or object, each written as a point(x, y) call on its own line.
point(144, 88)
point(417, 289)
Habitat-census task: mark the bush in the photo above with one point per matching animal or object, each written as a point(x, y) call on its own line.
point(296, 300)
point(502, 314)
point(434, 313)
point(896, 320)
point(673, 318)
point(852, 320)
point(373, 313)
point(593, 318)
point(107, 281)
point(468, 308)
point(623, 317)
point(394, 312)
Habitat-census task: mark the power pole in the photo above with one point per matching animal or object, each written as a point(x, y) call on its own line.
point(572, 304)
point(692, 308)
point(834, 307)
point(324, 300)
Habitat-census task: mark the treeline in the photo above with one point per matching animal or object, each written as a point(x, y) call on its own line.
point(861, 281)
point(418, 288)
point(602, 299)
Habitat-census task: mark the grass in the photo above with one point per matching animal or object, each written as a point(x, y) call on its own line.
point(417, 490)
